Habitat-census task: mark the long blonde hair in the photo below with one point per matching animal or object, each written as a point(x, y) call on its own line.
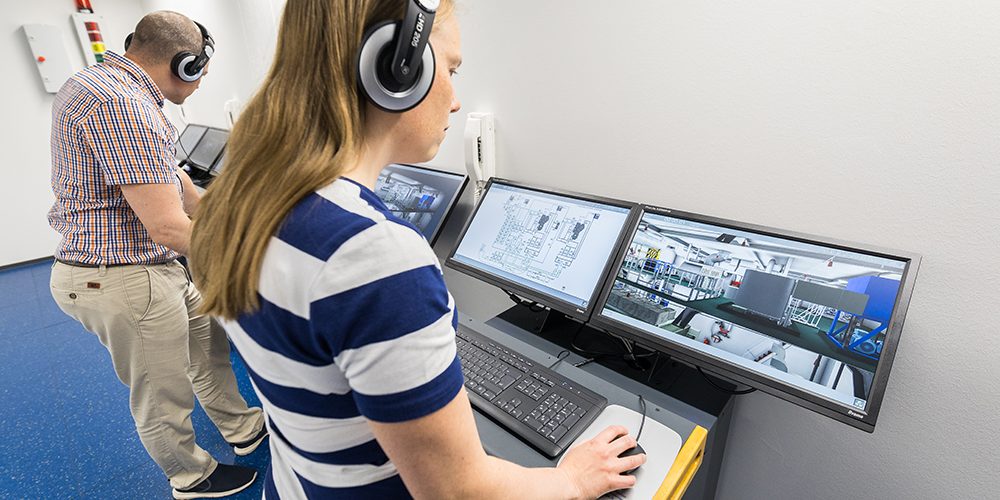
point(301, 130)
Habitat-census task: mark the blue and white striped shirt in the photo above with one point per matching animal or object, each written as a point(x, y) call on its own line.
point(355, 324)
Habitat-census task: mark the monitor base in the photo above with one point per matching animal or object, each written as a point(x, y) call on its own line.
point(659, 371)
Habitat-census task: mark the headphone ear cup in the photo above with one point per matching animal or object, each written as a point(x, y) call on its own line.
point(180, 65)
point(128, 40)
point(375, 77)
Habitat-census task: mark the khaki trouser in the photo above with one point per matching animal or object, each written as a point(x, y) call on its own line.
point(161, 347)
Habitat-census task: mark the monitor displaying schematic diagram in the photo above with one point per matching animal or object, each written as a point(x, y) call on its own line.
point(420, 195)
point(810, 320)
point(550, 247)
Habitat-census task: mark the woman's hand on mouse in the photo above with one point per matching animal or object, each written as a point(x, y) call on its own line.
point(594, 468)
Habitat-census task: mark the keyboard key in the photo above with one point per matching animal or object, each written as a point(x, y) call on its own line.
point(492, 387)
point(541, 400)
point(571, 420)
point(559, 433)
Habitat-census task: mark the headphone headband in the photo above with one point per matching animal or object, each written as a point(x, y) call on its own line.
point(411, 38)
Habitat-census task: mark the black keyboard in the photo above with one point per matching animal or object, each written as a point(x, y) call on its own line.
point(537, 404)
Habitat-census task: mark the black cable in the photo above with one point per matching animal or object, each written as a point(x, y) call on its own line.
point(563, 354)
point(652, 370)
point(723, 389)
point(642, 404)
point(581, 350)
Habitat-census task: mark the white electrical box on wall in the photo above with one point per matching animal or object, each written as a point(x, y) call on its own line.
point(49, 55)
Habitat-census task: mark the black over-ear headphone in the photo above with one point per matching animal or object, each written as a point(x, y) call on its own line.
point(395, 63)
point(189, 66)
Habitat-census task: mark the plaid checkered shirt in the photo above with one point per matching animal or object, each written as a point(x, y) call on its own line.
point(108, 130)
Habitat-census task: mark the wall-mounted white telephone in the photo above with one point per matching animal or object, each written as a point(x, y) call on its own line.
point(480, 150)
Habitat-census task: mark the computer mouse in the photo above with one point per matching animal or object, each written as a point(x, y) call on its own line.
point(635, 450)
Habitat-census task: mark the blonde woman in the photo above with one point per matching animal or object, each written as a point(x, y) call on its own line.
point(340, 309)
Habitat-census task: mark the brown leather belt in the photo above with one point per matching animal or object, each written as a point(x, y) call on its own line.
point(95, 266)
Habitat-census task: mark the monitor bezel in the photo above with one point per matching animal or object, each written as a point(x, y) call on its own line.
point(553, 303)
point(864, 420)
point(208, 168)
point(214, 171)
point(178, 141)
point(451, 205)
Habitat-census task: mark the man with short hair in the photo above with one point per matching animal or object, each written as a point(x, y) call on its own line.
point(123, 210)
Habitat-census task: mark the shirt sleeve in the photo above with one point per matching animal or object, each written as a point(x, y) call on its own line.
point(129, 145)
point(391, 323)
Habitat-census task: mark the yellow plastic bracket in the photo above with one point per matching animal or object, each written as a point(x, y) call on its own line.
point(685, 466)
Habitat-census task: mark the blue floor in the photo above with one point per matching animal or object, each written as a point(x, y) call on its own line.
point(69, 431)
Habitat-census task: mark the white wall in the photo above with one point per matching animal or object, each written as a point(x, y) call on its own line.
point(245, 32)
point(875, 121)
point(25, 196)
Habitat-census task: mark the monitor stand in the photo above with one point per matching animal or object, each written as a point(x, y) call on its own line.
point(660, 371)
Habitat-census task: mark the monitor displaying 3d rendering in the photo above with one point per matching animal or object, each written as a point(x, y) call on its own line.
point(188, 140)
point(809, 320)
point(550, 247)
point(420, 195)
point(208, 149)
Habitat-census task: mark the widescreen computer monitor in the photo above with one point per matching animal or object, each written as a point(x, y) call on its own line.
point(548, 246)
point(187, 141)
point(420, 195)
point(208, 149)
point(811, 320)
